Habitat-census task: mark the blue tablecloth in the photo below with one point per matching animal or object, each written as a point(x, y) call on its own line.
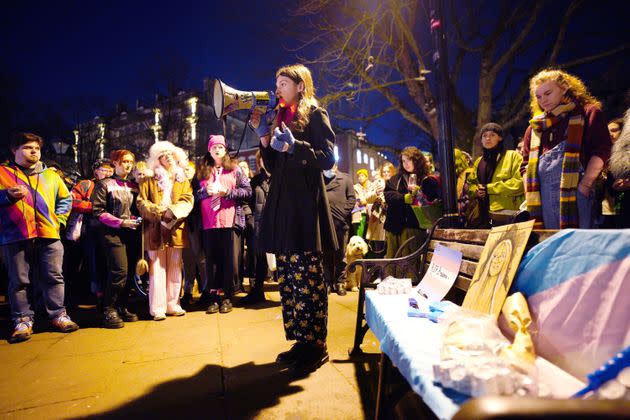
point(413, 345)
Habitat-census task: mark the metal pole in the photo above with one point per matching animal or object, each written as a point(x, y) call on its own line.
point(445, 142)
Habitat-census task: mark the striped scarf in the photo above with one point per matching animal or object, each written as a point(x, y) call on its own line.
point(570, 164)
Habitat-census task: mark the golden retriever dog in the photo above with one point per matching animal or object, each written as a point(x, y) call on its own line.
point(355, 250)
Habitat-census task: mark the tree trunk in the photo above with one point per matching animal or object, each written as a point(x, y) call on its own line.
point(484, 111)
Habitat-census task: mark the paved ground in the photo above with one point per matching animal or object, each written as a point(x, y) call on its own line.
point(211, 366)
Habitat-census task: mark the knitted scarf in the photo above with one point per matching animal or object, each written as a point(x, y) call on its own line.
point(570, 164)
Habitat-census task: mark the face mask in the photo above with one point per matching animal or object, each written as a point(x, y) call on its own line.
point(329, 173)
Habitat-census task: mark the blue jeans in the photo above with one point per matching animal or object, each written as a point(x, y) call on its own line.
point(43, 259)
point(549, 173)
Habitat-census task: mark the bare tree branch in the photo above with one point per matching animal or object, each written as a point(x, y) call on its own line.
point(509, 54)
point(594, 57)
point(368, 118)
point(562, 30)
point(522, 113)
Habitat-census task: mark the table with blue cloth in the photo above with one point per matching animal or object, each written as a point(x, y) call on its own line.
point(413, 346)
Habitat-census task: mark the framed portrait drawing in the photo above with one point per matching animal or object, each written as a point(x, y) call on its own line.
point(497, 267)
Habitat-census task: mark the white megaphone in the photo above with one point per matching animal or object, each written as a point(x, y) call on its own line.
point(226, 99)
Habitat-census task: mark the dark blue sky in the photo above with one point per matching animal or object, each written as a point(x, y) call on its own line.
point(66, 49)
point(82, 57)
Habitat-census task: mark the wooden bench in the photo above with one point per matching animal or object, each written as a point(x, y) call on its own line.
point(469, 242)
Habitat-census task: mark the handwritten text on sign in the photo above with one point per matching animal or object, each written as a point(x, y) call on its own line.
point(441, 274)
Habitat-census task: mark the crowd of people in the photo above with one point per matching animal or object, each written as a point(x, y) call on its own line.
point(213, 222)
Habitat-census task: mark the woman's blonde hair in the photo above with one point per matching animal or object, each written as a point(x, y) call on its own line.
point(392, 169)
point(575, 88)
point(300, 73)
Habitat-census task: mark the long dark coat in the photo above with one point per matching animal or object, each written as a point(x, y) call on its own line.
point(399, 214)
point(297, 215)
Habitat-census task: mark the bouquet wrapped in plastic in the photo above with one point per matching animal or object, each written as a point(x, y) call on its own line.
point(477, 360)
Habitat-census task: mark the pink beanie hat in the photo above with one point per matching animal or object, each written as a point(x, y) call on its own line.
point(216, 139)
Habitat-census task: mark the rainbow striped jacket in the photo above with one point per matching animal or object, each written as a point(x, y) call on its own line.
point(19, 220)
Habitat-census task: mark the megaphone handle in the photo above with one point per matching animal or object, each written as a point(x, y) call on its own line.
point(243, 133)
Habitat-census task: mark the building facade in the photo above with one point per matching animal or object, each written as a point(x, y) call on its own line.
point(186, 119)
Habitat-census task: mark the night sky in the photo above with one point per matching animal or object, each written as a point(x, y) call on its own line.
point(80, 58)
point(68, 49)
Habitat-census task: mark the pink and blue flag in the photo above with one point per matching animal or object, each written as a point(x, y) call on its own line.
point(577, 284)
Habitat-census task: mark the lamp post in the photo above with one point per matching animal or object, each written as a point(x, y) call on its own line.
point(445, 142)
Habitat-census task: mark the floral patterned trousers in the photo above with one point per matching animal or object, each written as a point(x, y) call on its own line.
point(304, 296)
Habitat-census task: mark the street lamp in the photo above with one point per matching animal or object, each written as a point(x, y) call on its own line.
point(75, 146)
point(60, 147)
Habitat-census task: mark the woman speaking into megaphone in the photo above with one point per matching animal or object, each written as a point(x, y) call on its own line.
point(296, 144)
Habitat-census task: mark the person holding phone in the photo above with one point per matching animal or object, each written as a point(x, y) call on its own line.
point(221, 189)
point(114, 205)
point(401, 192)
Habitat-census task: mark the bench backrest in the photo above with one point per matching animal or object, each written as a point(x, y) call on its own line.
point(470, 243)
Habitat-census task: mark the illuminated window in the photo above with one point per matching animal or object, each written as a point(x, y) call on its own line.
point(336, 152)
point(365, 158)
point(358, 156)
point(371, 163)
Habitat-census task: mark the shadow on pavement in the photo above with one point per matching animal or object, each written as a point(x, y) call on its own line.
point(366, 373)
point(215, 392)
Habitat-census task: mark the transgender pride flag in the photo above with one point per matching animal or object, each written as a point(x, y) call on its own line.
point(577, 284)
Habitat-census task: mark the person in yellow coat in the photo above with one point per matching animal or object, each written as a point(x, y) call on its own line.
point(164, 201)
point(496, 180)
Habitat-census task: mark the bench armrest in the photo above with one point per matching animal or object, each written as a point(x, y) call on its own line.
point(374, 268)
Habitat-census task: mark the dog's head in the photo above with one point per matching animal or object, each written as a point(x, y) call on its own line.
point(356, 247)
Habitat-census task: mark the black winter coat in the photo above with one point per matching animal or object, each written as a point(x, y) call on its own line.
point(297, 215)
point(260, 187)
point(341, 197)
point(399, 215)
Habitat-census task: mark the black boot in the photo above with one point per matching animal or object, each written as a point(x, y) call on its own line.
point(111, 319)
point(310, 359)
point(291, 356)
point(126, 315)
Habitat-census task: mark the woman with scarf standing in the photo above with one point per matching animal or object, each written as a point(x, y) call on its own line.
point(495, 180)
point(296, 146)
point(564, 150)
point(222, 188)
point(114, 204)
point(165, 200)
